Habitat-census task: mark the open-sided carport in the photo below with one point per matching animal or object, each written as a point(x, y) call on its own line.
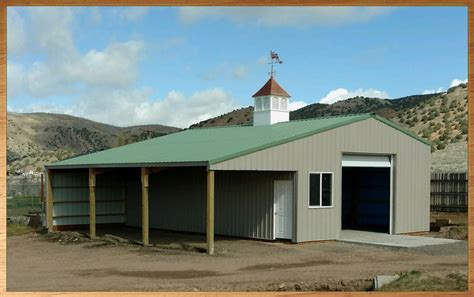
point(367, 185)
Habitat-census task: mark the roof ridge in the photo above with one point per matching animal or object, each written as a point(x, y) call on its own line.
point(336, 116)
point(219, 127)
point(280, 123)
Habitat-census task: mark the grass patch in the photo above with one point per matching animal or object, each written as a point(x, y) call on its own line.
point(17, 229)
point(417, 281)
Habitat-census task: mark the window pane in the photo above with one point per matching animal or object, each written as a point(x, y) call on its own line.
point(314, 186)
point(326, 190)
point(283, 104)
point(266, 103)
point(275, 103)
point(258, 104)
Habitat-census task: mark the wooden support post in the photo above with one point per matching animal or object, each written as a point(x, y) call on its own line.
point(210, 212)
point(92, 175)
point(49, 201)
point(145, 211)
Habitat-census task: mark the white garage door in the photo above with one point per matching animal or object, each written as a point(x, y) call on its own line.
point(365, 161)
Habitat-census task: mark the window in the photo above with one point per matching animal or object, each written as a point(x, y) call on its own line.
point(320, 189)
point(266, 103)
point(258, 104)
point(284, 104)
point(275, 103)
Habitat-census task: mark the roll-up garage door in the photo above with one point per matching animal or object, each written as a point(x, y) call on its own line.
point(365, 161)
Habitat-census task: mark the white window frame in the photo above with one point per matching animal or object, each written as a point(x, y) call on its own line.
point(281, 103)
point(267, 100)
point(258, 104)
point(321, 189)
point(277, 103)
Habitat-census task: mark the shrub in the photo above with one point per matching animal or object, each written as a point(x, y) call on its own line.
point(441, 146)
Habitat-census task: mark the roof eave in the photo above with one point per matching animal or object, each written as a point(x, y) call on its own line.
point(130, 165)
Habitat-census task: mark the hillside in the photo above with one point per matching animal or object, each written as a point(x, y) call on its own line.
point(35, 139)
point(239, 116)
point(383, 107)
point(442, 119)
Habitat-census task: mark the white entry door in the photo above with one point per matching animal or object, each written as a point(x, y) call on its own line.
point(283, 208)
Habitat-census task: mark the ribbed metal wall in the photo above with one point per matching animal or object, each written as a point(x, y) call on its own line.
point(71, 198)
point(177, 197)
point(323, 152)
point(244, 203)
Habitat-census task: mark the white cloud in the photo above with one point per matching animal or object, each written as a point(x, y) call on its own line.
point(456, 82)
point(100, 83)
point(15, 77)
point(135, 107)
point(16, 35)
point(133, 14)
point(283, 16)
point(114, 66)
point(50, 30)
point(226, 71)
point(294, 105)
point(343, 94)
point(433, 91)
point(240, 72)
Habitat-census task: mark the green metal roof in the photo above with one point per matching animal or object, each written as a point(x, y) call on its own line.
point(214, 145)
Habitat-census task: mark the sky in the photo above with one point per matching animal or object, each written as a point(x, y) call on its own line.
point(179, 65)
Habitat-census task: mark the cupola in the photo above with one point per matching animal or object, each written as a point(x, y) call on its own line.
point(271, 104)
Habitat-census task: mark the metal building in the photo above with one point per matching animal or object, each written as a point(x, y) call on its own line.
point(300, 180)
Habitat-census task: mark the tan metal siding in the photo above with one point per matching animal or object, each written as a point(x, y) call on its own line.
point(322, 152)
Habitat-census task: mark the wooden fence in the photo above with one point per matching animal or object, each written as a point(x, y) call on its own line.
point(449, 192)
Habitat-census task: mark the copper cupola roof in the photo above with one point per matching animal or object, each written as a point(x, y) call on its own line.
point(271, 87)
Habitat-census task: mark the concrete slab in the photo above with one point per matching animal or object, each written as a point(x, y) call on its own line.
point(382, 239)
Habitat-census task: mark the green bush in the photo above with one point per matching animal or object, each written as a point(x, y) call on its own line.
point(441, 146)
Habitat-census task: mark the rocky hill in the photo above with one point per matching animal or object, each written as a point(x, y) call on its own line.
point(442, 118)
point(239, 116)
point(35, 139)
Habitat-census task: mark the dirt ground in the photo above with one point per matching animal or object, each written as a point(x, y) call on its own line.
point(37, 262)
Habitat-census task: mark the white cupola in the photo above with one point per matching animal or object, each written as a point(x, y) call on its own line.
point(271, 104)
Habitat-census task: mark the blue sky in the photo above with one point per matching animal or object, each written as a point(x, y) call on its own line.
point(177, 66)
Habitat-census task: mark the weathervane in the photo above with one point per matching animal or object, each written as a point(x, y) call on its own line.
point(274, 60)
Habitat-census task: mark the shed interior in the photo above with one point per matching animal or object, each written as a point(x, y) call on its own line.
point(366, 199)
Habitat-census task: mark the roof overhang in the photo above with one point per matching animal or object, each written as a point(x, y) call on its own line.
point(130, 165)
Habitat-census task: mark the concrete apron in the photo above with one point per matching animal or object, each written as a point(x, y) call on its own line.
point(382, 239)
